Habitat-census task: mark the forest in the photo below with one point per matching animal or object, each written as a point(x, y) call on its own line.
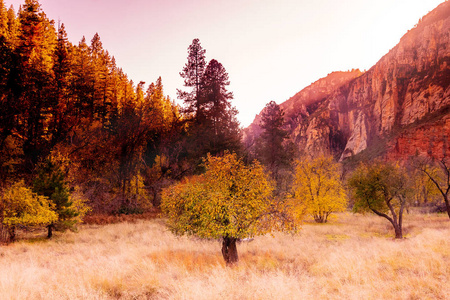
point(75, 129)
point(78, 138)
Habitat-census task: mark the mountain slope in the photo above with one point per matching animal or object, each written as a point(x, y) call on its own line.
point(403, 99)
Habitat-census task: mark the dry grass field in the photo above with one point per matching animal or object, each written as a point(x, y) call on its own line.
point(353, 257)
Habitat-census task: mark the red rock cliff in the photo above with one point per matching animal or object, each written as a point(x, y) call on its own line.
point(398, 106)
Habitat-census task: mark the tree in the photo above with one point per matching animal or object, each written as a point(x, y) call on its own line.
point(213, 126)
point(20, 206)
point(230, 201)
point(62, 105)
point(162, 151)
point(272, 148)
point(318, 189)
point(3, 19)
point(425, 191)
point(381, 188)
point(220, 127)
point(37, 41)
point(440, 176)
point(192, 74)
point(51, 183)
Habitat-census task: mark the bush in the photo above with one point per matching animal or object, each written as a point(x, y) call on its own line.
point(20, 206)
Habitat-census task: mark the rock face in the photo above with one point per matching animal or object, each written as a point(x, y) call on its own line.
point(299, 110)
point(399, 106)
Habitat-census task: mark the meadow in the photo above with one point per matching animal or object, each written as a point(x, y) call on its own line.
point(351, 257)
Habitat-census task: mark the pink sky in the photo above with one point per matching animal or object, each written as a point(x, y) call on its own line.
point(271, 49)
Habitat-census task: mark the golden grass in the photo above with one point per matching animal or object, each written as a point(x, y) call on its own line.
point(354, 257)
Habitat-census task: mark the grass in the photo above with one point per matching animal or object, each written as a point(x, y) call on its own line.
point(354, 257)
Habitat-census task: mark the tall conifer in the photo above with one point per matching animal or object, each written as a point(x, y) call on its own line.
point(272, 148)
point(220, 116)
point(192, 74)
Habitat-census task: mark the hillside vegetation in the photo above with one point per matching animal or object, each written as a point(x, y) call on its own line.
point(353, 257)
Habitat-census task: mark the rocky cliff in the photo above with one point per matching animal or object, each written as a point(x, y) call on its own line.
point(397, 108)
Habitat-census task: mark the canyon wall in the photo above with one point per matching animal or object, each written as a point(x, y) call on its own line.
point(397, 108)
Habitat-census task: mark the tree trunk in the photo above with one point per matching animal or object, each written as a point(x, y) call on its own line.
point(447, 205)
point(320, 218)
point(12, 233)
point(50, 231)
point(393, 221)
point(398, 232)
point(229, 251)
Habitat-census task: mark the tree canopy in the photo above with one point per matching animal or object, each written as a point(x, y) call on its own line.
point(318, 189)
point(381, 188)
point(73, 100)
point(20, 206)
point(437, 171)
point(229, 201)
point(212, 122)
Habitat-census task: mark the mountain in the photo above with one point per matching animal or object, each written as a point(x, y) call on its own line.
point(399, 107)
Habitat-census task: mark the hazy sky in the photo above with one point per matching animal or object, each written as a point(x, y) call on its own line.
point(271, 48)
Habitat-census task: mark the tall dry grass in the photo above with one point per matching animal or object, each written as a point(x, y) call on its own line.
point(354, 257)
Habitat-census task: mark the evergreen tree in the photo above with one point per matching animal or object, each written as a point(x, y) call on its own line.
point(62, 103)
point(13, 27)
point(272, 148)
point(192, 74)
point(101, 65)
point(3, 19)
point(50, 182)
point(220, 127)
point(37, 41)
point(81, 85)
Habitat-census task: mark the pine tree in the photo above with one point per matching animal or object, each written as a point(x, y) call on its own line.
point(37, 41)
point(101, 64)
point(220, 126)
point(81, 85)
point(192, 74)
point(272, 148)
point(62, 106)
point(10, 147)
point(3, 19)
point(50, 182)
point(13, 27)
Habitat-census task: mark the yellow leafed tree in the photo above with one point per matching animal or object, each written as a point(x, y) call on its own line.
point(230, 201)
point(20, 206)
point(318, 190)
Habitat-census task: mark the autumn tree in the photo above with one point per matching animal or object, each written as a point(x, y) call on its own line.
point(37, 41)
point(3, 19)
point(61, 122)
point(318, 190)
point(438, 172)
point(425, 191)
point(20, 206)
point(381, 188)
point(10, 145)
point(230, 201)
point(74, 100)
point(162, 155)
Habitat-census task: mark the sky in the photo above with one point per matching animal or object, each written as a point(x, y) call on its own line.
point(271, 49)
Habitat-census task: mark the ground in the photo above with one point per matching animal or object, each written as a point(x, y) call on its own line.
point(352, 257)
